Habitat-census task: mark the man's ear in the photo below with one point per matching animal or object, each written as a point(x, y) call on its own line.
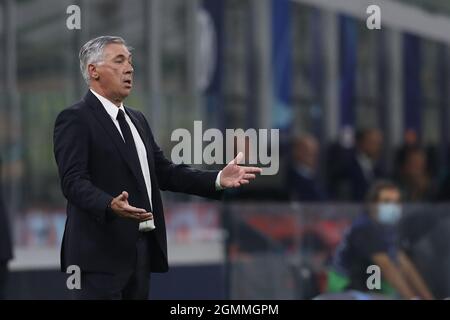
point(92, 70)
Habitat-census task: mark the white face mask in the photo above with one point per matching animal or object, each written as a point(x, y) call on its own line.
point(389, 213)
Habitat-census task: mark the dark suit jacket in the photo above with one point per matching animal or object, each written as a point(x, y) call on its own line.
point(94, 167)
point(359, 183)
point(5, 238)
point(303, 188)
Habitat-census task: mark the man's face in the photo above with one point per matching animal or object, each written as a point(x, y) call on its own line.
point(114, 75)
point(416, 164)
point(372, 144)
point(306, 152)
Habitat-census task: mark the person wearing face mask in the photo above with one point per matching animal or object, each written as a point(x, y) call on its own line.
point(372, 240)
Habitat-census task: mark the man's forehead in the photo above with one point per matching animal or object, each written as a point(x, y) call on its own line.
point(115, 49)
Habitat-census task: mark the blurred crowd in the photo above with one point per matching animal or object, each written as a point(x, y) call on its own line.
point(351, 168)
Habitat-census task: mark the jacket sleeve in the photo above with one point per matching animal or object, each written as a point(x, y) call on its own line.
point(71, 149)
point(181, 177)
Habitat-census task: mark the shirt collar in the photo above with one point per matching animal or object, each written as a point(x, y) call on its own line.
point(110, 107)
point(364, 160)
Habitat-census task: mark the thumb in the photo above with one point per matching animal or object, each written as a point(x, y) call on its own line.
point(238, 158)
point(123, 196)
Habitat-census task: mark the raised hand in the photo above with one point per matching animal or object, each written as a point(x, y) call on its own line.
point(233, 175)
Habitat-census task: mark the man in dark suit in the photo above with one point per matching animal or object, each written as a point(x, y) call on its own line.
point(302, 180)
point(111, 171)
point(5, 245)
point(364, 168)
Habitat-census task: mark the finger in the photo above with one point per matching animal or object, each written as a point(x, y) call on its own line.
point(237, 185)
point(243, 181)
point(249, 176)
point(134, 216)
point(123, 196)
point(140, 216)
point(238, 158)
point(146, 216)
point(252, 170)
point(145, 219)
point(133, 210)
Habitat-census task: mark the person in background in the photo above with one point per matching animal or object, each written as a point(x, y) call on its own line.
point(341, 151)
point(364, 168)
point(410, 141)
point(413, 178)
point(372, 240)
point(5, 245)
point(302, 178)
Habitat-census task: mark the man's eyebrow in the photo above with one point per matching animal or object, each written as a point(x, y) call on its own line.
point(122, 56)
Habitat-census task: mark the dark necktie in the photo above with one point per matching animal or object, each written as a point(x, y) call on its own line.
point(128, 136)
point(129, 142)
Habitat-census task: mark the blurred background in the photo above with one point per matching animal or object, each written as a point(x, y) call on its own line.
point(337, 91)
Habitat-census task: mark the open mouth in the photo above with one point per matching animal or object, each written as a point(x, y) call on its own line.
point(128, 82)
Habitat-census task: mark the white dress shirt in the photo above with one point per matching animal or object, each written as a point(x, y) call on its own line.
point(113, 110)
point(367, 166)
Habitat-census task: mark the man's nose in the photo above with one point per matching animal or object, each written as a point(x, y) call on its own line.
point(129, 68)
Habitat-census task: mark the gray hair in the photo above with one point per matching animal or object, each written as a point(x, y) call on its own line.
point(92, 52)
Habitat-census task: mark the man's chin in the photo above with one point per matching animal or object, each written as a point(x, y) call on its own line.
point(125, 93)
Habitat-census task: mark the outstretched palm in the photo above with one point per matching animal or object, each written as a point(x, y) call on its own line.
point(233, 175)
